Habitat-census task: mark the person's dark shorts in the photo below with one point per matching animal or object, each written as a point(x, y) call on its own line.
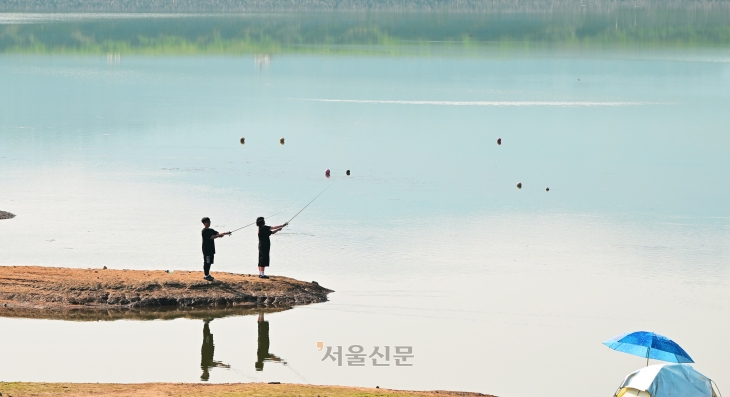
point(264, 256)
point(208, 259)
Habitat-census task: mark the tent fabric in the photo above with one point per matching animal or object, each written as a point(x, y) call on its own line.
point(629, 392)
point(669, 380)
point(643, 378)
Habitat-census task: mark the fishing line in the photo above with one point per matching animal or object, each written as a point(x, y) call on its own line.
point(300, 211)
point(288, 365)
point(305, 207)
point(284, 363)
point(270, 216)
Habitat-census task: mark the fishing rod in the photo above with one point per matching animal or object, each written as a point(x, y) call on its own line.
point(255, 222)
point(305, 207)
point(300, 211)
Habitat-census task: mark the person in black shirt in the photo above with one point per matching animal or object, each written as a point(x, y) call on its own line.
point(209, 246)
point(265, 243)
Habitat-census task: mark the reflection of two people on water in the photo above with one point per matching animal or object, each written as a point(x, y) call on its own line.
point(262, 352)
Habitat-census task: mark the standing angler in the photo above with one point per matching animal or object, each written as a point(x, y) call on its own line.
point(265, 243)
point(209, 235)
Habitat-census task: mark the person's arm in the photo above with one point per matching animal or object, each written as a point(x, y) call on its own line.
point(275, 229)
point(215, 236)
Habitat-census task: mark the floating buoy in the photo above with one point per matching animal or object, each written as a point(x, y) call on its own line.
point(243, 140)
point(499, 141)
point(547, 189)
point(327, 172)
point(519, 185)
point(347, 172)
point(281, 141)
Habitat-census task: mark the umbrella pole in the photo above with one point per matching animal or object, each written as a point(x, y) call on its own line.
point(648, 351)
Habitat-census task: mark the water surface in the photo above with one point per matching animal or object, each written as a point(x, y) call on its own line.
point(110, 158)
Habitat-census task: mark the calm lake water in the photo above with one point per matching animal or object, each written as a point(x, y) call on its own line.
point(112, 151)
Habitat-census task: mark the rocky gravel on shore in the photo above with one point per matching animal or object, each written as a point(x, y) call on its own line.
point(6, 215)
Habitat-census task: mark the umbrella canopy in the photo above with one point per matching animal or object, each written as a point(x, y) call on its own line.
point(649, 345)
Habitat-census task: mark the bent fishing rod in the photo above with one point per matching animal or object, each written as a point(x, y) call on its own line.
point(286, 223)
point(305, 207)
point(242, 227)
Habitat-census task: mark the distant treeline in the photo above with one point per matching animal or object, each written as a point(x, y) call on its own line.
point(353, 31)
point(172, 6)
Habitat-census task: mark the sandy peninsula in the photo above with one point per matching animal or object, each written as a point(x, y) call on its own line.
point(52, 288)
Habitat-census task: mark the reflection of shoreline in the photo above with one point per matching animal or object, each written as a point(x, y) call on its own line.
point(461, 48)
point(142, 314)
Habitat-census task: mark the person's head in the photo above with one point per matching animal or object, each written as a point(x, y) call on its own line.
point(260, 221)
point(206, 222)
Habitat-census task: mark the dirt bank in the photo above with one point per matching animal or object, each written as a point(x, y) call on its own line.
point(210, 390)
point(138, 314)
point(6, 215)
point(50, 288)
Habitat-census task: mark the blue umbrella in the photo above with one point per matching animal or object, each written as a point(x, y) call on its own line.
point(649, 345)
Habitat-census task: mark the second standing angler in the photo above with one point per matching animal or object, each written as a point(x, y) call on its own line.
point(265, 243)
point(209, 235)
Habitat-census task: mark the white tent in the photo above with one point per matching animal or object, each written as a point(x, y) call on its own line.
point(666, 380)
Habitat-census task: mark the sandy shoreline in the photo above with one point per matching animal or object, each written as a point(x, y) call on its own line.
point(51, 288)
point(21, 389)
